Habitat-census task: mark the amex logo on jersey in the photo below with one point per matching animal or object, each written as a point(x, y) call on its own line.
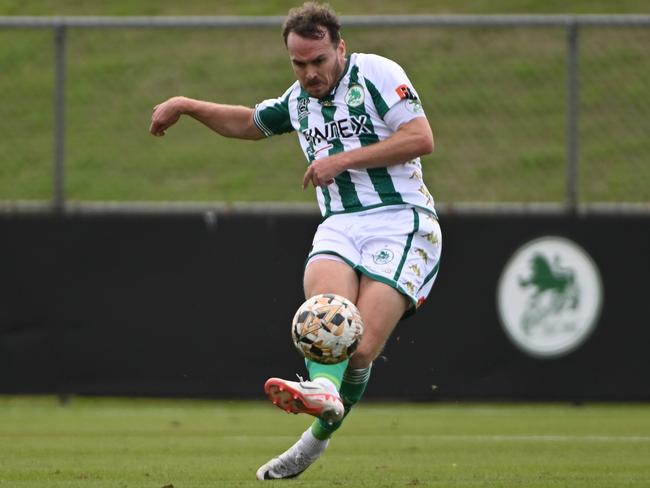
point(549, 297)
point(337, 129)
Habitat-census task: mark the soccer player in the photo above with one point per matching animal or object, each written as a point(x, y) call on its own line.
point(361, 126)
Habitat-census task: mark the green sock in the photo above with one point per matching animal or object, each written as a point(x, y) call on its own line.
point(352, 388)
point(333, 372)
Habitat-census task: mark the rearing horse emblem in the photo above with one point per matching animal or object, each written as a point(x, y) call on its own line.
point(554, 291)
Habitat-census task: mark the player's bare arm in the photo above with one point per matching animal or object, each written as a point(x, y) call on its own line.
point(412, 139)
point(228, 120)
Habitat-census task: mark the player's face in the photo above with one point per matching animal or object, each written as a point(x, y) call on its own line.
point(317, 63)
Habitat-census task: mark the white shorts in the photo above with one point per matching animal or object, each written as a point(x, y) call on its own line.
point(397, 246)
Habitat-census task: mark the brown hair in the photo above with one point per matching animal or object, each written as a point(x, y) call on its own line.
point(312, 21)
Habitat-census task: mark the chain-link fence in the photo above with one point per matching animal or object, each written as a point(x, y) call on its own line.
point(552, 110)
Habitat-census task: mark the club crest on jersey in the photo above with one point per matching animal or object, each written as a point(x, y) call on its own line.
point(303, 108)
point(414, 106)
point(355, 96)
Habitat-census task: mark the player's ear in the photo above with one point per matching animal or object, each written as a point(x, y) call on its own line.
point(341, 48)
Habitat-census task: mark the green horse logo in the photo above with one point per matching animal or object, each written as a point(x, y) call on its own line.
point(554, 291)
point(384, 256)
point(354, 96)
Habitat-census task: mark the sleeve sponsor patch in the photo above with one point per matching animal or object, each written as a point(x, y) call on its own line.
point(405, 92)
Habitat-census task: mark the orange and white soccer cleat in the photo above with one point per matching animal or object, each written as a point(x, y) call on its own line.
point(304, 397)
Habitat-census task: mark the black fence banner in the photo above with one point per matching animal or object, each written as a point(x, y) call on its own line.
point(524, 307)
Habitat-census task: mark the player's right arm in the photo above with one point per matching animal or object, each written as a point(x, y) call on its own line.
point(228, 120)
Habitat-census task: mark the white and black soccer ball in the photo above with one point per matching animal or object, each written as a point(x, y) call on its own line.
point(327, 328)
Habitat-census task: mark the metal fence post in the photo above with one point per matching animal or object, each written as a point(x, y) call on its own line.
point(58, 195)
point(572, 117)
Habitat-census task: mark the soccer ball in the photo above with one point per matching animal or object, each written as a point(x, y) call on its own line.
point(327, 328)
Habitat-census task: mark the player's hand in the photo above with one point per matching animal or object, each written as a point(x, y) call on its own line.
point(164, 116)
point(321, 172)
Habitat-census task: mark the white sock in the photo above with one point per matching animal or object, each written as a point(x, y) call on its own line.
point(328, 385)
point(311, 446)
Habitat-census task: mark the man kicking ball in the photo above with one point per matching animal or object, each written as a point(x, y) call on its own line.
point(361, 126)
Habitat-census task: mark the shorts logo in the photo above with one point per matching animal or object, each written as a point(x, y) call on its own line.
point(423, 254)
point(416, 270)
point(549, 297)
point(410, 287)
point(355, 96)
point(384, 256)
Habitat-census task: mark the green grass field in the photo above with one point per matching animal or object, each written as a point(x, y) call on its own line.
point(280, 7)
point(495, 99)
point(122, 443)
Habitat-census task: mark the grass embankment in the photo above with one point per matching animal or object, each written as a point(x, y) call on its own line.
point(495, 99)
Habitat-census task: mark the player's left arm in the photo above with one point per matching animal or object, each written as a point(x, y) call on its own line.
point(411, 140)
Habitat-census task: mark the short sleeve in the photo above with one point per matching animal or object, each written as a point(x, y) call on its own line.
point(387, 83)
point(402, 112)
point(272, 116)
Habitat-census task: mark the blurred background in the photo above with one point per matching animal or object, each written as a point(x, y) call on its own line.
point(118, 244)
point(170, 268)
point(497, 97)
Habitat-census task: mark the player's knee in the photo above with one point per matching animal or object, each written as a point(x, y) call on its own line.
point(364, 355)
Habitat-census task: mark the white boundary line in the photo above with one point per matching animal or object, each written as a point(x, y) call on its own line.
point(306, 208)
point(478, 438)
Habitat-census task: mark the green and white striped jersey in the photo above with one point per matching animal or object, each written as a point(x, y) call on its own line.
point(354, 115)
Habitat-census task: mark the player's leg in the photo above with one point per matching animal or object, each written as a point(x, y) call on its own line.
point(326, 273)
point(401, 251)
point(319, 396)
point(413, 253)
point(329, 274)
point(381, 307)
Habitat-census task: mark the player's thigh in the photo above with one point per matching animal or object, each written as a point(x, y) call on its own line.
point(381, 308)
point(331, 276)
